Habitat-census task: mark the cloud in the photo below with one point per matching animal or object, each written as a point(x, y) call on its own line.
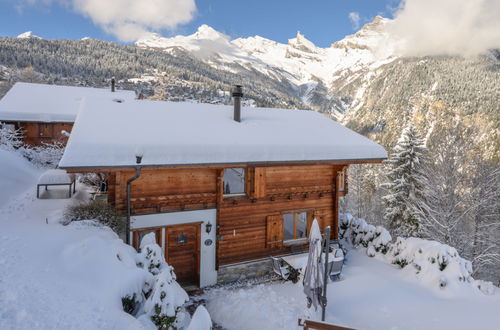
point(354, 18)
point(447, 27)
point(129, 20)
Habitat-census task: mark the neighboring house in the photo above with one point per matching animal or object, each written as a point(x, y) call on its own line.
point(215, 191)
point(46, 113)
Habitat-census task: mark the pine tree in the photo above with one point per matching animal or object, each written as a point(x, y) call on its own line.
point(404, 183)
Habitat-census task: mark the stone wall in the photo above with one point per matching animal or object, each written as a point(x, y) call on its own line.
point(244, 271)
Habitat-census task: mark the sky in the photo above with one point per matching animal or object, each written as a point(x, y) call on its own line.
point(321, 21)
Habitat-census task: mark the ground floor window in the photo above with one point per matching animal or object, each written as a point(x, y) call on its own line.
point(139, 234)
point(295, 225)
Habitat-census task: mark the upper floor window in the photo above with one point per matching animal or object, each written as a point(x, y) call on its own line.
point(294, 226)
point(234, 181)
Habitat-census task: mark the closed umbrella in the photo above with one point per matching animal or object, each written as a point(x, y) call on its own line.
point(313, 275)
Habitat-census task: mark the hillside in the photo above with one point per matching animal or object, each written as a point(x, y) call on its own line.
point(359, 80)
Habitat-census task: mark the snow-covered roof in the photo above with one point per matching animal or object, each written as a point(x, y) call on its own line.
point(110, 134)
point(51, 103)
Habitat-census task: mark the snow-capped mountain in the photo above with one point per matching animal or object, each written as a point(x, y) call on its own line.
point(28, 35)
point(300, 61)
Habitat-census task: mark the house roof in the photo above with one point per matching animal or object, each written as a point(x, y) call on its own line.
point(110, 134)
point(50, 103)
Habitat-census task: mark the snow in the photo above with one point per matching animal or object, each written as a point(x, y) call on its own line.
point(54, 276)
point(201, 320)
point(73, 277)
point(371, 295)
point(16, 175)
point(51, 103)
point(300, 60)
point(56, 176)
point(28, 35)
point(108, 133)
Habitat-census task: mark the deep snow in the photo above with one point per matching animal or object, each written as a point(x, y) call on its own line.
point(69, 277)
point(371, 295)
point(173, 133)
point(54, 276)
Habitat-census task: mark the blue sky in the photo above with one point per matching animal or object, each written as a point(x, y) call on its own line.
point(322, 21)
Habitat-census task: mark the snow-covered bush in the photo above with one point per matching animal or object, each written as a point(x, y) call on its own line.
point(165, 304)
point(46, 155)
point(151, 255)
point(358, 233)
point(165, 298)
point(10, 138)
point(95, 210)
point(434, 263)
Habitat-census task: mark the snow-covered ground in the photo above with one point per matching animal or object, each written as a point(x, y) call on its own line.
point(371, 295)
point(70, 277)
point(54, 276)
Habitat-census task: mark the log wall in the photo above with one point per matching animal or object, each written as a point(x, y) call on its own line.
point(244, 222)
point(37, 133)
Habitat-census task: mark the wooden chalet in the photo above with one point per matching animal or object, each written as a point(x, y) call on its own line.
point(216, 191)
point(46, 113)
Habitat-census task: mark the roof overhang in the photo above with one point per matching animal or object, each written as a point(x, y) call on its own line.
point(116, 168)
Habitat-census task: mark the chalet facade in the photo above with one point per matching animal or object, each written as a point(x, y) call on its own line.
point(216, 191)
point(46, 113)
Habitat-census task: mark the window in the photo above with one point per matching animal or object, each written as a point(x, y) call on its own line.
point(234, 181)
point(139, 235)
point(294, 226)
point(342, 180)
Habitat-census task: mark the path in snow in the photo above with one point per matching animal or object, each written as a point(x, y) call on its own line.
point(372, 295)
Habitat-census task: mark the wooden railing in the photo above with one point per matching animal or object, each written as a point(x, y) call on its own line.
point(309, 324)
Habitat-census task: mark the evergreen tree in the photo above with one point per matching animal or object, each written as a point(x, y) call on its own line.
point(404, 183)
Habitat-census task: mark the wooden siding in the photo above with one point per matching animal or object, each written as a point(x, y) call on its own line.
point(37, 133)
point(243, 226)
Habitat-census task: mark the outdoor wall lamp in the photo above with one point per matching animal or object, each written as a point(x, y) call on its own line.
point(208, 227)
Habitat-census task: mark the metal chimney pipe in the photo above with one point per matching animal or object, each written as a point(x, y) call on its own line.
point(113, 84)
point(237, 93)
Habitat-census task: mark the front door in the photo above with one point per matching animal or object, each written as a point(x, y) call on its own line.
point(182, 251)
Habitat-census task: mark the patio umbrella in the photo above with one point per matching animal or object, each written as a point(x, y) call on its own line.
point(313, 275)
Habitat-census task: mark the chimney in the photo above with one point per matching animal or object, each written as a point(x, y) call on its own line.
point(113, 84)
point(237, 93)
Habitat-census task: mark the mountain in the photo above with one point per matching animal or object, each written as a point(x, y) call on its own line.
point(311, 70)
point(359, 80)
point(28, 35)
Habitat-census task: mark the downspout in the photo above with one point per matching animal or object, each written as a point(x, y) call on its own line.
point(129, 184)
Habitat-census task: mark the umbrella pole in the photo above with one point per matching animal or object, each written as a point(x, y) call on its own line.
point(325, 278)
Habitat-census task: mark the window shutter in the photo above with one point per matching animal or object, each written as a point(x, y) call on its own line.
point(274, 231)
point(260, 182)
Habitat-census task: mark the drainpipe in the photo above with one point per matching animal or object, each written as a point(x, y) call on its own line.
point(129, 183)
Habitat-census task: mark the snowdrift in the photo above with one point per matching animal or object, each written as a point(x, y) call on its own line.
point(436, 265)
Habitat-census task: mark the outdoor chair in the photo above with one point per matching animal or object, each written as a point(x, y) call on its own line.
point(280, 268)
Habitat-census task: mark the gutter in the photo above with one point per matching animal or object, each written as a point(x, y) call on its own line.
point(129, 186)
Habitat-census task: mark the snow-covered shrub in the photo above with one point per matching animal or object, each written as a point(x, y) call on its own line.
point(46, 155)
point(95, 210)
point(359, 233)
point(165, 303)
point(434, 263)
point(10, 138)
point(151, 255)
point(164, 296)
